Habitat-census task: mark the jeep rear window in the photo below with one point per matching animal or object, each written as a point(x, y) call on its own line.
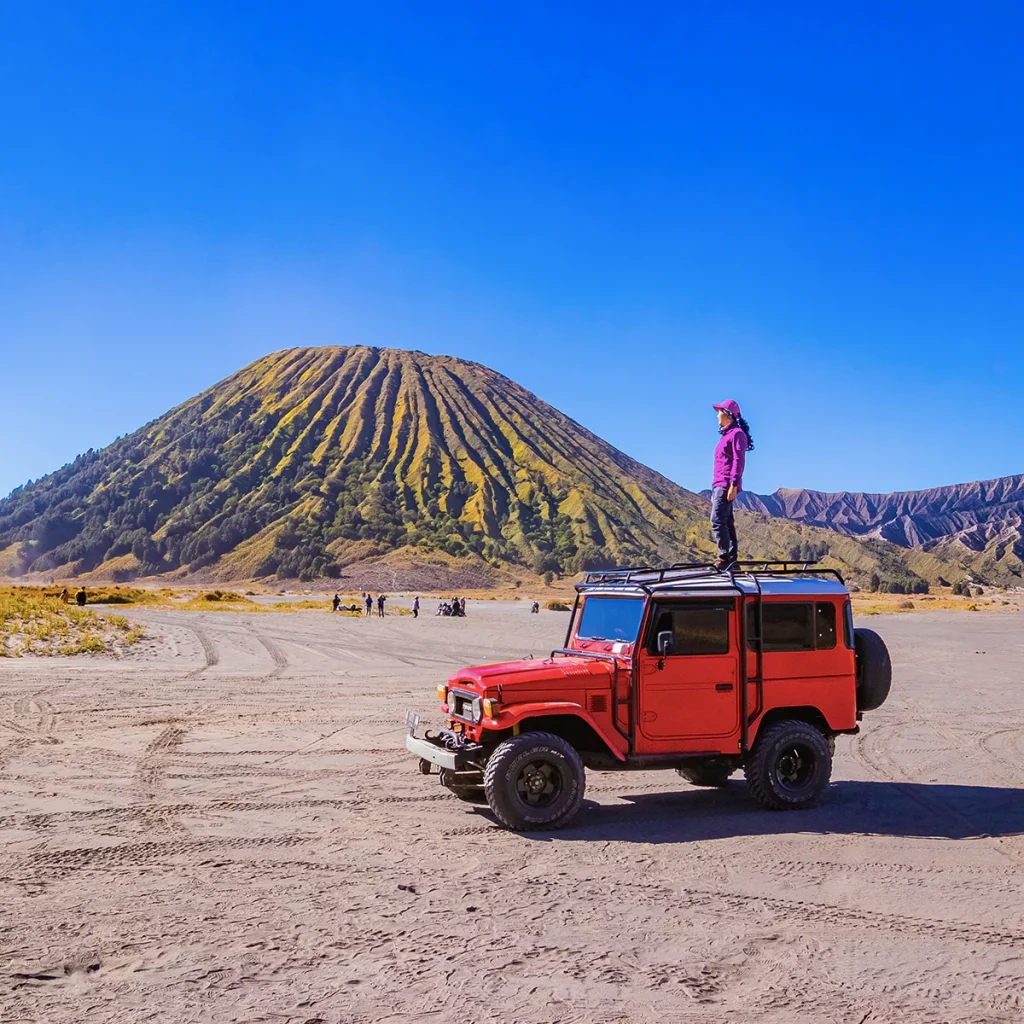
point(610, 618)
point(793, 626)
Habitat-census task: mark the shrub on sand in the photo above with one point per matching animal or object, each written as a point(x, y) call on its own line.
point(33, 621)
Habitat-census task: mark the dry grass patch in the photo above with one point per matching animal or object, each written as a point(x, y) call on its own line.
point(33, 620)
point(887, 604)
point(216, 601)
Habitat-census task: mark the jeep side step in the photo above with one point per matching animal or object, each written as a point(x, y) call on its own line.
point(599, 762)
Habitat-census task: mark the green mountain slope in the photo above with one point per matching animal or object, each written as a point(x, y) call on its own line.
point(312, 459)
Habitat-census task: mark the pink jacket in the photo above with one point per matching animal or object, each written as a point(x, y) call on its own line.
point(730, 456)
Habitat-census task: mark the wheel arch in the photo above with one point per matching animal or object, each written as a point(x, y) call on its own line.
point(574, 729)
point(802, 713)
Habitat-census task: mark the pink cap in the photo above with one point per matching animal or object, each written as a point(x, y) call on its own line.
point(731, 407)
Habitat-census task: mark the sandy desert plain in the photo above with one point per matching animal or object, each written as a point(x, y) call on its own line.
point(224, 825)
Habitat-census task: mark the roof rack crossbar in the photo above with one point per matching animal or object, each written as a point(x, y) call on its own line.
point(649, 576)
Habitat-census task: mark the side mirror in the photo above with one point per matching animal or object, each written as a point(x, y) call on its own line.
point(665, 643)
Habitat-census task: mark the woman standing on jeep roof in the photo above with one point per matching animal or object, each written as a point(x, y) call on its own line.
point(730, 456)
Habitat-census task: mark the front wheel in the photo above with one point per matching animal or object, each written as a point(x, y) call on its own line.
point(789, 767)
point(534, 781)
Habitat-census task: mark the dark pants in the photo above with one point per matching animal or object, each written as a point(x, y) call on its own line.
point(723, 525)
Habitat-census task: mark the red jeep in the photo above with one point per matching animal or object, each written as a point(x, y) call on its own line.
point(684, 667)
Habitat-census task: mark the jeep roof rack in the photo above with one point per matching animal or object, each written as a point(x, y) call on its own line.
point(647, 576)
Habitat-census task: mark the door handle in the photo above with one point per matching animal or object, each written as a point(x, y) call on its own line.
point(723, 687)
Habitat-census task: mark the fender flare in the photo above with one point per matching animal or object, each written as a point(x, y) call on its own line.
point(520, 712)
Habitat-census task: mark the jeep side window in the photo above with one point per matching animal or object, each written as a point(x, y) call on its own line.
point(697, 627)
point(848, 623)
point(793, 626)
point(825, 626)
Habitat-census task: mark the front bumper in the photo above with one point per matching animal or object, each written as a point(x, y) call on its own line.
point(434, 750)
point(441, 756)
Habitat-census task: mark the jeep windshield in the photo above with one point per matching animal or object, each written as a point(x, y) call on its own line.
point(610, 618)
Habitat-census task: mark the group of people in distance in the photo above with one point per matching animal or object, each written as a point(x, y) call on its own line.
point(368, 603)
point(80, 599)
point(455, 607)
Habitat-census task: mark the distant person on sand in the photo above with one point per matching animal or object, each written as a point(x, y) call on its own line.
point(416, 607)
point(65, 597)
point(535, 608)
point(380, 606)
point(730, 457)
point(80, 598)
point(368, 601)
point(336, 602)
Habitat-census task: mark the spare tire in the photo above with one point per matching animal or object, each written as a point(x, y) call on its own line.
point(874, 669)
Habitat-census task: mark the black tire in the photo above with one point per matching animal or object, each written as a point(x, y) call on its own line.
point(874, 669)
point(789, 767)
point(534, 781)
point(705, 774)
point(468, 786)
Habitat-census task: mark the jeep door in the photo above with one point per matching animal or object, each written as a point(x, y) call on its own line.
point(692, 693)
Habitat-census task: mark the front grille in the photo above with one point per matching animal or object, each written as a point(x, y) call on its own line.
point(466, 706)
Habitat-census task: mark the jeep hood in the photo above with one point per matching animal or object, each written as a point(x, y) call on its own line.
point(543, 671)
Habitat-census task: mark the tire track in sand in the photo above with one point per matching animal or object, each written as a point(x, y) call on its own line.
point(209, 652)
point(33, 720)
point(830, 914)
point(275, 652)
point(111, 815)
point(38, 731)
point(149, 774)
point(131, 854)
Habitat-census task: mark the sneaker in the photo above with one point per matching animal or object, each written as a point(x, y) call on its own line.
point(722, 564)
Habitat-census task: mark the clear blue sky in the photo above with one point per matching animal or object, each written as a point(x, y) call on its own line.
point(633, 209)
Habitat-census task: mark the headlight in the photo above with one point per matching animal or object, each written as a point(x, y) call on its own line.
point(465, 705)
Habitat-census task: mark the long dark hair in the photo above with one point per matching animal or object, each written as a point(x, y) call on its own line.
point(745, 427)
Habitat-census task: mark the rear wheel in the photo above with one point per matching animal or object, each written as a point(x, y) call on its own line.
point(706, 773)
point(534, 781)
point(789, 767)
